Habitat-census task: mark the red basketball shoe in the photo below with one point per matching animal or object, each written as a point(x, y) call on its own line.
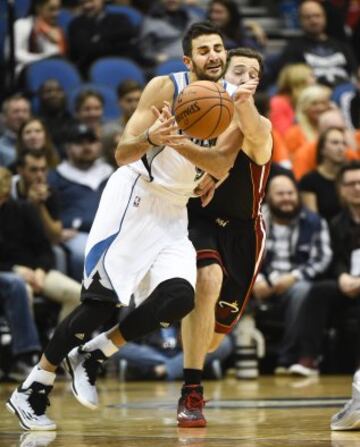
point(190, 406)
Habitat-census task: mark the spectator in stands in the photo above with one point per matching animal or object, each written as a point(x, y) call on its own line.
point(54, 112)
point(128, 93)
point(304, 160)
point(318, 191)
point(16, 110)
point(25, 342)
point(26, 250)
point(349, 103)
point(95, 33)
point(34, 135)
point(334, 296)
point(162, 30)
point(89, 110)
point(79, 181)
point(292, 80)
point(332, 61)
point(312, 102)
point(38, 36)
point(298, 250)
point(226, 16)
point(159, 357)
point(31, 184)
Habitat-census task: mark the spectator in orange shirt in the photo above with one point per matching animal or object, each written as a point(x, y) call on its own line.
point(291, 82)
point(313, 101)
point(280, 151)
point(305, 158)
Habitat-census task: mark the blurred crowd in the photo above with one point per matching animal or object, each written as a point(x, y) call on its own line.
point(79, 70)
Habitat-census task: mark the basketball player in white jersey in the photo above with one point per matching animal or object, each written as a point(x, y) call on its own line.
point(138, 244)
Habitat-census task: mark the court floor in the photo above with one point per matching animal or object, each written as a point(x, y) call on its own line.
point(268, 412)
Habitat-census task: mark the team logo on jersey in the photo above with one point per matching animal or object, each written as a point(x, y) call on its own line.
point(221, 222)
point(233, 306)
point(137, 201)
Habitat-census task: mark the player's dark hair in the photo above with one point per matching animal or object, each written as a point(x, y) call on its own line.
point(249, 53)
point(196, 30)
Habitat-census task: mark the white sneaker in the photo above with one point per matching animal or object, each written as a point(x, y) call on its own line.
point(29, 405)
point(37, 439)
point(300, 370)
point(349, 417)
point(83, 367)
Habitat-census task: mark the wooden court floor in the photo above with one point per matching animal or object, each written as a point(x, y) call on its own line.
point(269, 412)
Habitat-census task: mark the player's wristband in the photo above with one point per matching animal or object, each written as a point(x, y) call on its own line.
point(147, 137)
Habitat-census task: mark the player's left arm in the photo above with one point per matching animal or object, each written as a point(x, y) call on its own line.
point(256, 128)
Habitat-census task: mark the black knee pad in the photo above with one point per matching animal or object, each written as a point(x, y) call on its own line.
point(177, 299)
point(169, 302)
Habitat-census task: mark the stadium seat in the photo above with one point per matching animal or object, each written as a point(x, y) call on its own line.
point(111, 108)
point(22, 8)
point(112, 71)
point(170, 66)
point(134, 16)
point(60, 69)
point(64, 19)
point(340, 90)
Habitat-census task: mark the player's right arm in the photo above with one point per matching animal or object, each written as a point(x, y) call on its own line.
point(144, 126)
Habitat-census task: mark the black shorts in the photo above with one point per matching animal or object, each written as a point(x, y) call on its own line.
point(237, 246)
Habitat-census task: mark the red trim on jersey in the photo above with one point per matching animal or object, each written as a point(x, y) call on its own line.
point(260, 236)
point(259, 176)
point(211, 254)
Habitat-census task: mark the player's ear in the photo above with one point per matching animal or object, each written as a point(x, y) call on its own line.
point(188, 62)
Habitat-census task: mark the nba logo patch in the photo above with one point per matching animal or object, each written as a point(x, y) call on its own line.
point(137, 201)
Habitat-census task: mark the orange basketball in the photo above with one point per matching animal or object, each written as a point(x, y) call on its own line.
point(204, 110)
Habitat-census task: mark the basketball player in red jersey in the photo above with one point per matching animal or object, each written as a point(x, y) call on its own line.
point(228, 235)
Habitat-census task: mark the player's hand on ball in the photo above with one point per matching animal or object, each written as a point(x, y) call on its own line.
point(165, 128)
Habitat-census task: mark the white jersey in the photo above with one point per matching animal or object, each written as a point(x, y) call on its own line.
point(164, 167)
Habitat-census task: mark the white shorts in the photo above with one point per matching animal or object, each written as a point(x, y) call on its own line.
point(138, 240)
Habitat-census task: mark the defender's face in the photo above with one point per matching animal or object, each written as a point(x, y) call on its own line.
point(241, 69)
point(208, 58)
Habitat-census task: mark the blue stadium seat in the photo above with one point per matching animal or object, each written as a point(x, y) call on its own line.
point(170, 66)
point(3, 31)
point(134, 16)
point(340, 90)
point(112, 71)
point(60, 69)
point(111, 108)
point(64, 19)
point(22, 8)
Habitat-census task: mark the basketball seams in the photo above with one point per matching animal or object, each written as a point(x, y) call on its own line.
point(204, 114)
point(197, 113)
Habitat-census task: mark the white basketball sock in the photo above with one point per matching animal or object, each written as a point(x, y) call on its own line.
point(103, 343)
point(38, 374)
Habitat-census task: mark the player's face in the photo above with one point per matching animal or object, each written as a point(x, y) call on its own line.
point(241, 69)
point(208, 58)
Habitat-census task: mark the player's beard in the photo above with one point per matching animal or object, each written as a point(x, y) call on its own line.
point(202, 75)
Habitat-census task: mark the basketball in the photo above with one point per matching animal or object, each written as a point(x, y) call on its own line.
point(203, 110)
